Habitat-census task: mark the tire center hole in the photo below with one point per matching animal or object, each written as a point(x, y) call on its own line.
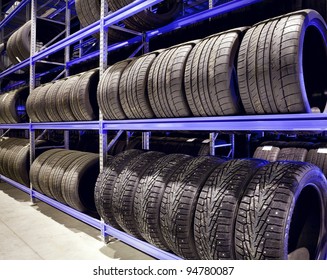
point(306, 222)
point(315, 68)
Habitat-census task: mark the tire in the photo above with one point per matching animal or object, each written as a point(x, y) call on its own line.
point(5, 155)
point(148, 19)
point(319, 158)
point(3, 115)
point(281, 65)
point(210, 76)
point(125, 187)
point(108, 92)
point(148, 197)
point(166, 83)
point(13, 157)
point(52, 110)
point(58, 172)
point(269, 153)
point(36, 166)
point(79, 181)
point(63, 102)
point(47, 168)
point(282, 210)
point(214, 223)
point(178, 204)
point(292, 154)
point(39, 102)
point(12, 49)
point(9, 154)
point(104, 188)
point(204, 150)
point(31, 111)
point(133, 88)
point(82, 97)
point(23, 39)
point(21, 164)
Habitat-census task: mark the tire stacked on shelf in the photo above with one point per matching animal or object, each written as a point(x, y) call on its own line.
point(177, 208)
point(152, 18)
point(69, 99)
point(210, 75)
point(282, 65)
point(88, 12)
point(318, 155)
point(208, 208)
point(12, 106)
point(14, 159)
point(67, 176)
point(18, 44)
point(167, 83)
point(288, 215)
point(18, 47)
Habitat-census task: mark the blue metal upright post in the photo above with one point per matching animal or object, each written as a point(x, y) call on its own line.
point(32, 83)
point(103, 137)
point(67, 58)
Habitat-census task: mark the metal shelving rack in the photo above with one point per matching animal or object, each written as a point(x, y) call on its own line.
point(247, 124)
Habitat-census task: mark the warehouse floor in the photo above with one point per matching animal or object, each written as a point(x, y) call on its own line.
point(42, 232)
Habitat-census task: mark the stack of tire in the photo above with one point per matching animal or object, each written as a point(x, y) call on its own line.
point(67, 176)
point(69, 99)
point(315, 153)
point(14, 159)
point(192, 79)
point(18, 45)
point(278, 67)
point(12, 106)
point(208, 208)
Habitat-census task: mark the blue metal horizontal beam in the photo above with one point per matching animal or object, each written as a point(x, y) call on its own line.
point(15, 126)
point(201, 16)
point(15, 184)
point(281, 122)
point(291, 122)
point(124, 237)
point(113, 18)
point(87, 125)
point(8, 18)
